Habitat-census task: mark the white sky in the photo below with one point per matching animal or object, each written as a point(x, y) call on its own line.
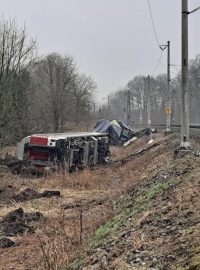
point(111, 40)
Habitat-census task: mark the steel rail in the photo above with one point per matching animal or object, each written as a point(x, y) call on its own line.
point(197, 126)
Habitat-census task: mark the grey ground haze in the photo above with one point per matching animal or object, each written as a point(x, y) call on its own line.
point(112, 40)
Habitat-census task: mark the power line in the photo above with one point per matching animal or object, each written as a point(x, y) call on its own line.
point(176, 68)
point(153, 24)
point(163, 65)
point(158, 63)
point(161, 47)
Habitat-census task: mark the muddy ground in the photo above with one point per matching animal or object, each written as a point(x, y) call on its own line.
point(140, 212)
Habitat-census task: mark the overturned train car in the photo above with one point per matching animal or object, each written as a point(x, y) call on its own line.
point(67, 150)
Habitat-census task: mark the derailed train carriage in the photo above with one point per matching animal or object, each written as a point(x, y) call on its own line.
point(74, 149)
point(67, 150)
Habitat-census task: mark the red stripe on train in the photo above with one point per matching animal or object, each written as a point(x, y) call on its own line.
point(38, 140)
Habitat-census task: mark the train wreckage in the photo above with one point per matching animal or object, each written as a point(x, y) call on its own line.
point(74, 149)
point(67, 150)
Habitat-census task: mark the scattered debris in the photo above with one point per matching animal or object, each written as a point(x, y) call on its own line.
point(14, 216)
point(150, 141)
point(30, 194)
point(50, 193)
point(27, 195)
point(129, 141)
point(16, 222)
point(6, 242)
point(19, 167)
point(15, 228)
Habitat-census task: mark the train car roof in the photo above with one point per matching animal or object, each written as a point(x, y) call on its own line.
point(57, 136)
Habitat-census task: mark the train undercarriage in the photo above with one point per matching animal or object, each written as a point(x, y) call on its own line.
point(68, 151)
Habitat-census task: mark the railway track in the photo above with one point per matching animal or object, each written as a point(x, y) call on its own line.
point(194, 129)
point(163, 126)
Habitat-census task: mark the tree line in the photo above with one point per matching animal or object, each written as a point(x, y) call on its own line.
point(153, 95)
point(38, 94)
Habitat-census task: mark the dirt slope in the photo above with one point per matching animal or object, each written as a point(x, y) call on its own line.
point(158, 223)
point(140, 212)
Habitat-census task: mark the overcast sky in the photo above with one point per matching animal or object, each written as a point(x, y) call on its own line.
point(111, 40)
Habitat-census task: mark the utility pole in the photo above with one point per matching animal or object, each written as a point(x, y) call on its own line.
point(185, 143)
point(108, 106)
point(141, 114)
point(168, 103)
point(128, 107)
point(149, 105)
point(168, 127)
point(147, 80)
point(108, 99)
point(185, 140)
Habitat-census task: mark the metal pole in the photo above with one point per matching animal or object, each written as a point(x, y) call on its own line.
point(140, 114)
point(185, 97)
point(168, 111)
point(149, 105)
point(173, 107)
point(108, 105)
point(128, 107)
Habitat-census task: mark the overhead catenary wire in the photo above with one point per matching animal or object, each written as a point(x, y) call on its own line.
point(163, 65)
point(161, 48)
point(153, 24)
point(158, 63)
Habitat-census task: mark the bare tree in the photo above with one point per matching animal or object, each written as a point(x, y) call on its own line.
point(82, 93)
point(56, 79)
point(17, 52)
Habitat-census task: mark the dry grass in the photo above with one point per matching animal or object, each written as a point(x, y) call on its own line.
point(7, 151)
point(57, 240)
